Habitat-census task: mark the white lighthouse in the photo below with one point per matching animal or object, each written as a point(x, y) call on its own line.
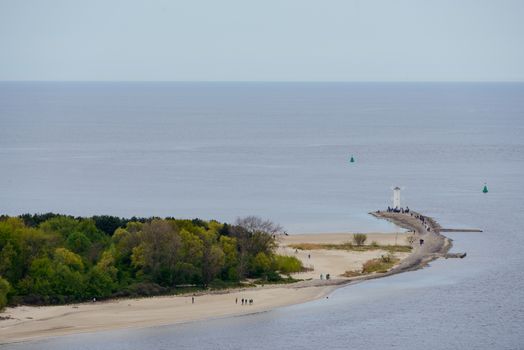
point(396, 198)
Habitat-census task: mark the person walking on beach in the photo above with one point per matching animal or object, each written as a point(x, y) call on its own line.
point(242, 301)
point(192, 300)
point(236, 300)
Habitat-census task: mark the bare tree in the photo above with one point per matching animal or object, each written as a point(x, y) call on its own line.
point(254, 235)
point(254, 224)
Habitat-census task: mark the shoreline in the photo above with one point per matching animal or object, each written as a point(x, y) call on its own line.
point(33, 323)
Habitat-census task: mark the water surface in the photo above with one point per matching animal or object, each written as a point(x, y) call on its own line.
point(281, 151)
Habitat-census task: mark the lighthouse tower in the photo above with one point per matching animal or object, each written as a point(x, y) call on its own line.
point(396, 198)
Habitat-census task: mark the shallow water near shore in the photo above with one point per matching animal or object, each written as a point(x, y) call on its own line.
point(281, 151)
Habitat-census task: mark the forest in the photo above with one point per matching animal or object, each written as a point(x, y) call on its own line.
point(55, 259)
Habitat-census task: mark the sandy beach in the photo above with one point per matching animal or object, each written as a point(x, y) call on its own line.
point(30, 322)
point(336, 262)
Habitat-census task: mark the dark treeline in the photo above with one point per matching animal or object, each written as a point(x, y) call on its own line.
point(51, 258)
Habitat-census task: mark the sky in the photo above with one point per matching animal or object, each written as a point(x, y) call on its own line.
point(269, 40)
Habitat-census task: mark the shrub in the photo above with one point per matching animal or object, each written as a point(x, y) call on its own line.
point(287, 264)
point(359, 238)
point(261, 264)
point(218, 284)
point(374, 244)
point(272, 276)
point(386, 258)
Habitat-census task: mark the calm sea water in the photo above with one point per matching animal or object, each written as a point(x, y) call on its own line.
point(281, 151)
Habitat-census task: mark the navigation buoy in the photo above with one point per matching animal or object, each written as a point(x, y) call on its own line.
point(485, 189)
point(352, 160)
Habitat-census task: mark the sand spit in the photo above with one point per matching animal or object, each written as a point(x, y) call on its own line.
point(25, 323)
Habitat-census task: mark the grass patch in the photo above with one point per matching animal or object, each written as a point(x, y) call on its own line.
point(380, 265)
point(352, 247)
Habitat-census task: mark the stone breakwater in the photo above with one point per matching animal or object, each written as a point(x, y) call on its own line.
point(424, 228)
point(428, 243)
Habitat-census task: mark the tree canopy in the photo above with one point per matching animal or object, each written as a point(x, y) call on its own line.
point(52, 258)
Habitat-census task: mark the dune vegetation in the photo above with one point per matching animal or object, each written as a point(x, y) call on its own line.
point(353, 247)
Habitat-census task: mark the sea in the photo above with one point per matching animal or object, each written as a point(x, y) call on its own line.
point(282, 151)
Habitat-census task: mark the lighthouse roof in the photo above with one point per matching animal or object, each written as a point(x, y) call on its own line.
point(397, 188)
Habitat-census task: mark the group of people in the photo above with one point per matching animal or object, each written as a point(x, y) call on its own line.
point(398, 210)
point(328, 276)
point(244, 301)
point(422, 218)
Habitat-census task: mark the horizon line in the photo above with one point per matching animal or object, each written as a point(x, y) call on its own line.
point(271, 81)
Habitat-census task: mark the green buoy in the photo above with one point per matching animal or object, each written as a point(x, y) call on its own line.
point(485, 189)
point(352, 160)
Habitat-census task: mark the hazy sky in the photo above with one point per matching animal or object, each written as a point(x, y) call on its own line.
point(326, 40)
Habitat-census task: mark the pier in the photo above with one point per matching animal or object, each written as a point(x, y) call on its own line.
point(460, 230)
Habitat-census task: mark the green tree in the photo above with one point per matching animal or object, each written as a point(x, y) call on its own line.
point(100, 283)
point(158, 252)
point(191, 248)
point(57, 280)
point(66, 257)
point(4, 290)
point(229, 247)
point(60, 258)
point(187, 273)
point(78, 242)
point(102, 280)
point(7, 258)
point(108, 224)
point(188, 269)
point(213, 261)
point(64, 225)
